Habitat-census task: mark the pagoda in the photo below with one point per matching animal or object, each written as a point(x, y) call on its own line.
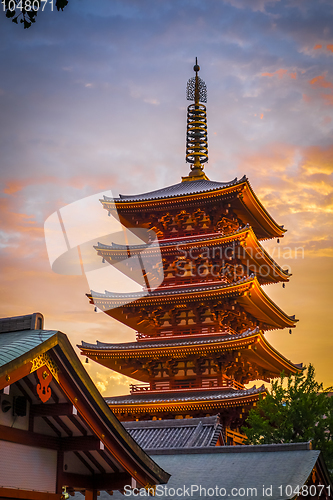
point(201, 333)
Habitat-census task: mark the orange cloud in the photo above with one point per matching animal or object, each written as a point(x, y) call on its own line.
point(326, 120)
point(14, 185)
point(318, 46)
point(306, 98)
point(95, 182)
point(261, 116)
point(330, 47)
point(320, 81)
point(280, 73)
point(328, 98)
point(318, 159)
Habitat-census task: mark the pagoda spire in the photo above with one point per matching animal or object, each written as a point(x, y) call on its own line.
point(196, 136)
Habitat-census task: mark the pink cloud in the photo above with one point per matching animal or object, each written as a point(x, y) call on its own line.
point(320, 81)
point(280, 73)
point(306, 98)
point(328, 98)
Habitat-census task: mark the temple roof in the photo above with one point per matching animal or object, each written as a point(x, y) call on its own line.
point(181, 397)
point(175, 433)
point(167, 342)
point(71, 407)
point(180, 189)
point(247, 291)
point(244, 201)
point(16, 344)
point(274, 471)
point(252, 343)
point(244, 236)
point(170, 291)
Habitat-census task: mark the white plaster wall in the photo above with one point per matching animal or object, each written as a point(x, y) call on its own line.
point(27, 468)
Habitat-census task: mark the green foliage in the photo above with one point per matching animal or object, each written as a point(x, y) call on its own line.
point(26, 10)
point(297, 408)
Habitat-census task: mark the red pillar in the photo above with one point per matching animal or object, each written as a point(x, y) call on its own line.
point(91, 495)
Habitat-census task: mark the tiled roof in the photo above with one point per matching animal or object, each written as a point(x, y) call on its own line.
point(168, 342)
point(175, 291)
point(15, 344)
point(180, 189)
point(169, 397)
point(17, 351)
point(174, 433)
point(273, 471)
point(197, 238)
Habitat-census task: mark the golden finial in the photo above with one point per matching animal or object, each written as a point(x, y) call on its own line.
point(196, 138)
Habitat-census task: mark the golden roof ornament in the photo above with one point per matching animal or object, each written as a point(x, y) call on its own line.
point(196, 135)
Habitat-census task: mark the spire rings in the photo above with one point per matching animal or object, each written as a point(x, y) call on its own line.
point(196, 140)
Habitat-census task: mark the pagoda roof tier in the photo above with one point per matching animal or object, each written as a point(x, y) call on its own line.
point(246, 292)
point(177, 403)
point(203, 192)
point(253, 256)
point(252, 344)
point(180, 189)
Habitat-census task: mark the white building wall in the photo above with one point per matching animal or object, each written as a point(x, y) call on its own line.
point(27, 468)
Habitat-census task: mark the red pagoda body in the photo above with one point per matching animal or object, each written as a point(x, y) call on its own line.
point(200, 333)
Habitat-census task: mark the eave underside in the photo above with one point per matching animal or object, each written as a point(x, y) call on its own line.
point(170, 403)
point(133, 359)
point(246, 292)
point(247, 251)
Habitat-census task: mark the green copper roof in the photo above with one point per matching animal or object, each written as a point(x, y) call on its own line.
point(16, 344)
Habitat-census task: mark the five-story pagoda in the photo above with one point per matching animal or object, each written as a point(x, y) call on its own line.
point(200, 333)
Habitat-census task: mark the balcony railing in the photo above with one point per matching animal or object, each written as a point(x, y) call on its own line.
point(186, 332)
point(226, 383)
point(234, 438)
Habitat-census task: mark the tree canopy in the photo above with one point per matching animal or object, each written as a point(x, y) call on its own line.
point(26, 11)
point(297, 408)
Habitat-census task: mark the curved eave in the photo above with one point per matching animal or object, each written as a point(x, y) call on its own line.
point(245, 203)
point(247, 293)
point(271, 359)
point(254, 347)
point(169, 202)
point(190, 405)
point(254, 207)
point(255, 252)
point(257, 302)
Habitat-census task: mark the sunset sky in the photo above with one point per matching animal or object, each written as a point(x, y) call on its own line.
point(93, 99)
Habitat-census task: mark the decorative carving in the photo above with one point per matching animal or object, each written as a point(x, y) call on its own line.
point(166, 220)
point(171, 367)
point(152, 367)
point(199, 366)
point(196, 85)
point(45, 360)
point(227, 226)
point(43, 390)
point(181, 218)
